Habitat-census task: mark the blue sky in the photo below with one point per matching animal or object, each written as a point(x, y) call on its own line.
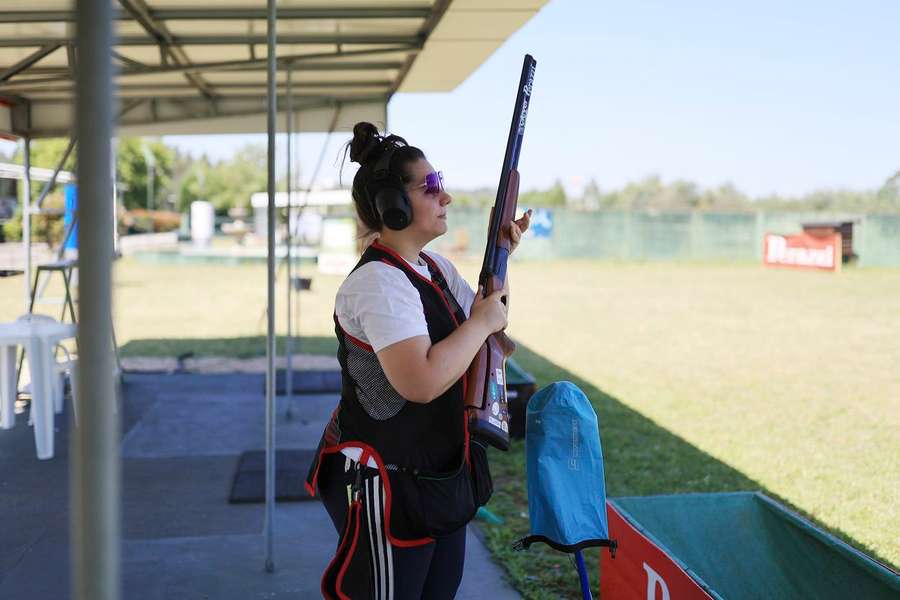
point(772, 96)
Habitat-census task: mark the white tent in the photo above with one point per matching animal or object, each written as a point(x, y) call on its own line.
point(199, 66)
point(202, 67)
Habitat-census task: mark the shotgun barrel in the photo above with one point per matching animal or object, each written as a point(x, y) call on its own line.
point(486, 377)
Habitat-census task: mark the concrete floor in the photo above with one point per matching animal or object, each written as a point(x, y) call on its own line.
point(182, 436)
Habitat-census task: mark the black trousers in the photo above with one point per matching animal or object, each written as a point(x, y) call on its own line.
point(431, 571)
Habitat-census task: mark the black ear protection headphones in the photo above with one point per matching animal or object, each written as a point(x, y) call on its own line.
point(388, 194)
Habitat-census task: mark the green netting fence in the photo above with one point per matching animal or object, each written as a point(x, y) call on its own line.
point(681, 236)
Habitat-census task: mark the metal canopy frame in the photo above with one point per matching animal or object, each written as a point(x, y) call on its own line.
point(202, 66)
point(204, 61)
point(211, 71)
point(243, 14)
point(168, 41)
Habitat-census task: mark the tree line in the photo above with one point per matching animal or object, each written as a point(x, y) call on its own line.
point(652, 193)
point(153, 175)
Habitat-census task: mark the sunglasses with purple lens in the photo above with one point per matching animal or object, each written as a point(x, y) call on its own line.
point(434, 183)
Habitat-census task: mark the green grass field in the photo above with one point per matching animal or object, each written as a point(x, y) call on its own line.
point(705, 377)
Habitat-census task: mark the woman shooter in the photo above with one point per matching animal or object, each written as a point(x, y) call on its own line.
point(396, 468)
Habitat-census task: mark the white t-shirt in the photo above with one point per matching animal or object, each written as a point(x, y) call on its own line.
point(378, 305)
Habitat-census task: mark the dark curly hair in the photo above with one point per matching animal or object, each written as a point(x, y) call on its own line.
point(366, 148)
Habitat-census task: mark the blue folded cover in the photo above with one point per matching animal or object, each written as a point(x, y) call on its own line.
point(566, 488)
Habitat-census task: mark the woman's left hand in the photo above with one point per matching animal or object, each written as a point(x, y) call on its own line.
point(517, 228)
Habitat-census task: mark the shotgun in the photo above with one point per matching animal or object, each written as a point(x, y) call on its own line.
point(486, 377)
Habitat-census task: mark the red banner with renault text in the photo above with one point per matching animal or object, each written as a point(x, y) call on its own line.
point(803, 251)
point(641, 570)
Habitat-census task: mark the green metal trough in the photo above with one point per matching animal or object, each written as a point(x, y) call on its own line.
point(732, 546)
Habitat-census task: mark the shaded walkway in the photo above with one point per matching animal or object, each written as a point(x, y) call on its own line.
point(182, 435)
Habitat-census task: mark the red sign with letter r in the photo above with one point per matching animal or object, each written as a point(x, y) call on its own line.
point(641, 570)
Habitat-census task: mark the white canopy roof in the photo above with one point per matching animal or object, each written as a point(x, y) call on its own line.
point(11, 171)
point(338, 197)
point(199, 66)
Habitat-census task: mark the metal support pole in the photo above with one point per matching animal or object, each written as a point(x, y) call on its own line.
point(61, 251)
point(289, 341)
point(114, 176)
point(270, 285)
point(150, 161)
point(26, 221)
point(583, 576)
point(95, 463)
point(52, 181)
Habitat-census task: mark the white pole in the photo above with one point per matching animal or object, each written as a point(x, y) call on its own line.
point(114, 175)
point(288, 350)
point(95, 464)
point(150, 160)
point(270, 285)
point(26, 220)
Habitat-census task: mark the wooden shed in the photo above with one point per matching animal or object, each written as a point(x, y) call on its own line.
point(845, 228)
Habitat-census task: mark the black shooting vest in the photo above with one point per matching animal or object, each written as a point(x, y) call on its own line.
point(407, 434)
point(434, 479)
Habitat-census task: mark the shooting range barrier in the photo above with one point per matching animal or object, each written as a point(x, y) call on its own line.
point(734, 546)
point(676, 235)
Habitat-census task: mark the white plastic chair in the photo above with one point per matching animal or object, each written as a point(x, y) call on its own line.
point(63, 368)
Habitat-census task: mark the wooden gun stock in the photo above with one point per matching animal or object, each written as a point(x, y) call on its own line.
point(486, 377)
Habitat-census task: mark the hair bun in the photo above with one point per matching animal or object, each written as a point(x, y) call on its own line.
point(365, 140)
